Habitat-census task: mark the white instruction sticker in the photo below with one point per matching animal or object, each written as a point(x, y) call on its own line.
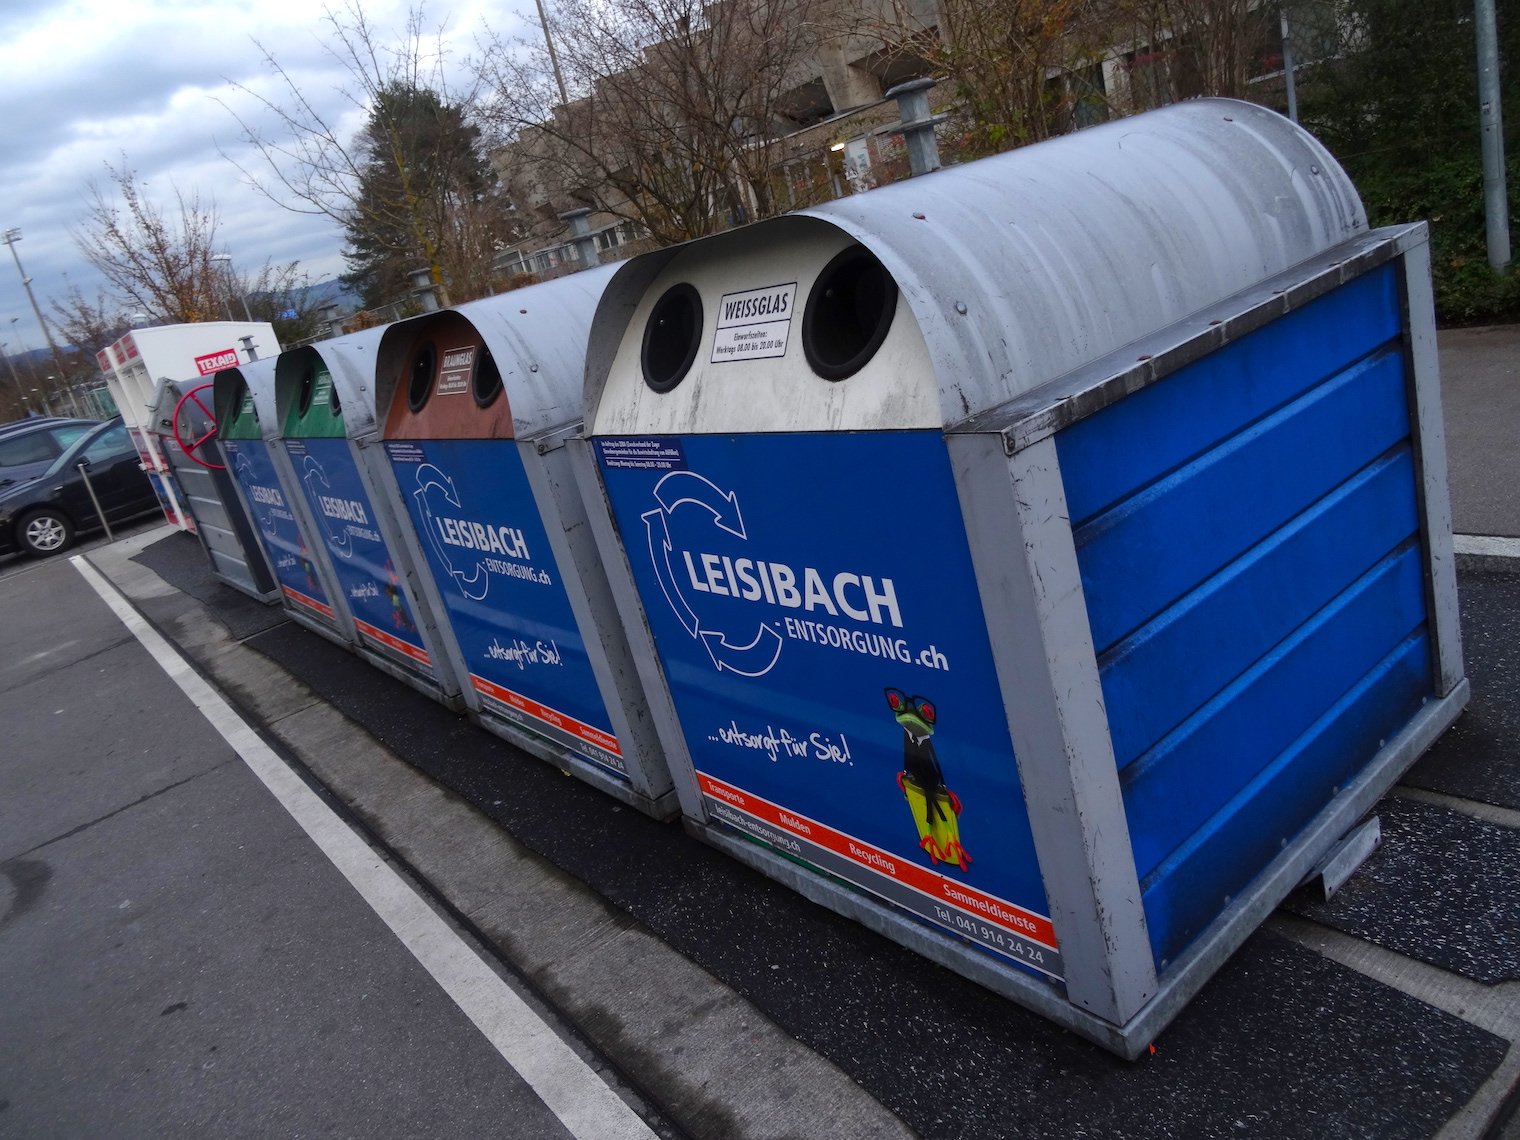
point(754, 324)
point(454, 376)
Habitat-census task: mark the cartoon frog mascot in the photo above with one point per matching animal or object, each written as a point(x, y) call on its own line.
point(936, 809)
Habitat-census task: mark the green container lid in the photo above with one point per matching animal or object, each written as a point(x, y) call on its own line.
point(316, 412)
point(245, 420)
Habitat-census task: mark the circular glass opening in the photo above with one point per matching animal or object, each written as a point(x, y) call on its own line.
point(486, 383)
point(670, 337)
point(420, 386)
point(848, 314)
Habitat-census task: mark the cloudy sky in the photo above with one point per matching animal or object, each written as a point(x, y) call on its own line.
point(83, 82)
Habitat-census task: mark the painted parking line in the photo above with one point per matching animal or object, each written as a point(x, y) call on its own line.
point(571, 1089)
point(1491, 545)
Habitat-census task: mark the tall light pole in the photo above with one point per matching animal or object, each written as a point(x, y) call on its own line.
point(226, 261)
point(232, 286)
point(11, 237)
point(559, 79)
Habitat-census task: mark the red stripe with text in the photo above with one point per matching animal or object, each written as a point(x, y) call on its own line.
point(1010, 916)
point(563, 721)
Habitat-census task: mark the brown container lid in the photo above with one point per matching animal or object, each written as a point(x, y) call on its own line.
point(445, 384)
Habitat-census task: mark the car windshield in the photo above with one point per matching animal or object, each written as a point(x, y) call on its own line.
point(69, 460)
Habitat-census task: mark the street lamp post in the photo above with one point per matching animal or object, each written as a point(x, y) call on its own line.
point(11, 237)
point(232, 287)
point(226, 261)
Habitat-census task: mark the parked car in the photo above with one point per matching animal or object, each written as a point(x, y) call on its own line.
point(42, 516)
point(28, 446)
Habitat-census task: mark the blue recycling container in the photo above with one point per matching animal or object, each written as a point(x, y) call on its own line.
point(324, 397)
point(247, 428)
point(478, 403)
point(1045, 561)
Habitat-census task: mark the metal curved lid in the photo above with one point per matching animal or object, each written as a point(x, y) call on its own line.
point(1024, 266)
point(246, 388)
point(1021, 267)
point(537, 338)
point(349, 362)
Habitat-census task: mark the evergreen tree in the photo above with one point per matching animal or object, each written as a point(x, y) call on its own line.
point(426, 199)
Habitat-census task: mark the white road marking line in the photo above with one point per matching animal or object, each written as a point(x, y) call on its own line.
point(570, 1088)
point(1486, 544)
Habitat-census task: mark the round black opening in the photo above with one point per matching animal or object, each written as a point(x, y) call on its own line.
point(420, 386)
point(486, 383)
point(848, 314)
point(308, 386)
point(671, 336)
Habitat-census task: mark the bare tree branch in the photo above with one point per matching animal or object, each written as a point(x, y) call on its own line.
point(156, 261)
point(676, 106)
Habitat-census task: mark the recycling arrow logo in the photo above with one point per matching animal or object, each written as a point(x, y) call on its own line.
point(262, 513)
point(316, 482)
point(431, 481)
point(678, 489)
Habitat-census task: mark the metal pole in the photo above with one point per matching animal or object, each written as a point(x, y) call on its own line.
point(11, 237)
point(1495, 205)
point(424, 289)
point(559, 80)
point(226, 262)
point(1288, 69)
point(917, 126)
point(85, 475)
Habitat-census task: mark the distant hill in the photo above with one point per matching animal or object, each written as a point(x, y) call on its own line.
point(311, 297)
point(36, 359)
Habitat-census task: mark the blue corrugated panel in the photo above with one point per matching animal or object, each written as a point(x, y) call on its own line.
point(1136, 441)
point(1181, 781)
point(1331, 432)
point(1247, 533)
point(1164, 671)
point(1200, 878)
